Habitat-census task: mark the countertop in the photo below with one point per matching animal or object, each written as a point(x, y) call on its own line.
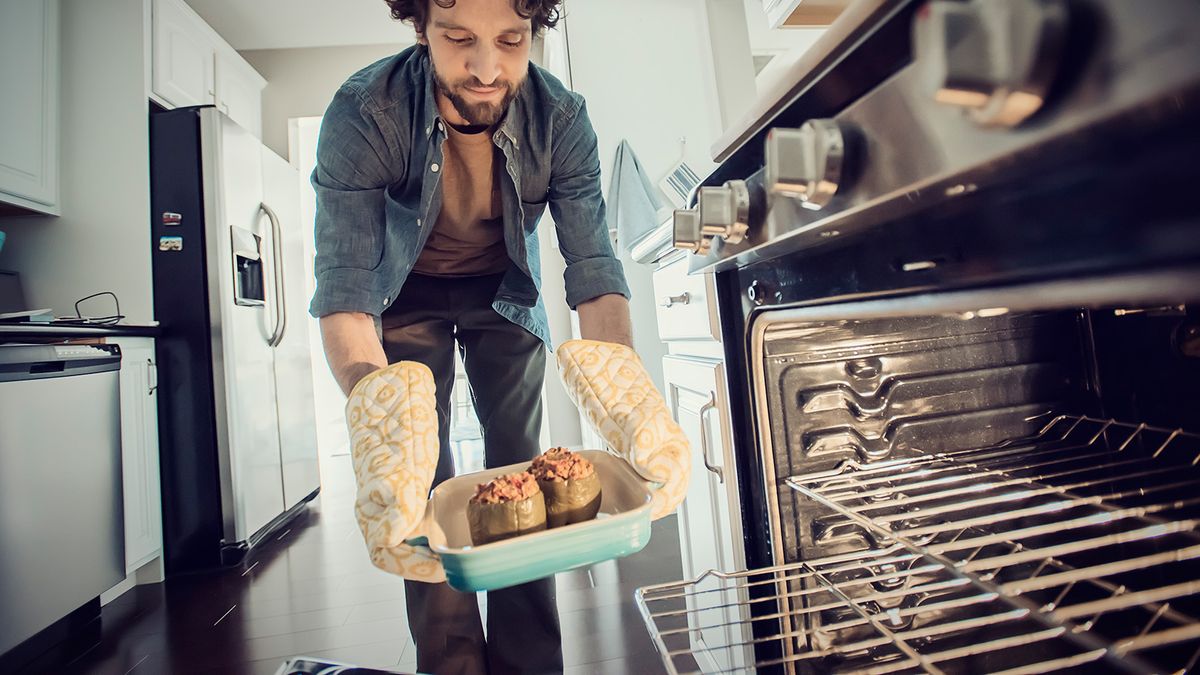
point(41, 332)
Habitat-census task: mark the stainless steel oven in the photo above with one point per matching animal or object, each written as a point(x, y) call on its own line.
point(957, 262)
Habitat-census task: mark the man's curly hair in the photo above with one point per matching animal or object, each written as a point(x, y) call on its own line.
point(543, 13)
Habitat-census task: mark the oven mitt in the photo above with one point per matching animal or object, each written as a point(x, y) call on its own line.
point(392, 417)
point(609, 384)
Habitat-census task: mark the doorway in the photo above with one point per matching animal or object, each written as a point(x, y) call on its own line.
point(333, 446)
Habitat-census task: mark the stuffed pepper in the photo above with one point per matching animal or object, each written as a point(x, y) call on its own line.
point(570, 485)
point(508, 506)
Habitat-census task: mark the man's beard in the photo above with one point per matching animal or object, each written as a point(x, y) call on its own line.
point(482, 113)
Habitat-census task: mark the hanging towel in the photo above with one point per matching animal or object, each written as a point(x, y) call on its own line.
point(633, 202)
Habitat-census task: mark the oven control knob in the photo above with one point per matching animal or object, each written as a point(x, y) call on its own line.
point(994, 58)
point(806, 163)
point(686, 232)
point(725, 211)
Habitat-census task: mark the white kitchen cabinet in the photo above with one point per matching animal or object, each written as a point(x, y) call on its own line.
point(183, 70)
point(29, 104)
point(193, 65)
point(682, 303)
point(139, 451)
point(239, 90)
point(803, 13)
point(709, 518)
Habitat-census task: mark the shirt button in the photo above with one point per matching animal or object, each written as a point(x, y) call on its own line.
point(386, 300)
point(434, 167)
point(418, 222)
point(440, 127)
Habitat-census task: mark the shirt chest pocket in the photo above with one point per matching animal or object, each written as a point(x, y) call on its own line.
point(532, 214)
point(534, 196)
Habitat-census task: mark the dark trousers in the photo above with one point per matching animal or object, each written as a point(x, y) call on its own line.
point(505, 366)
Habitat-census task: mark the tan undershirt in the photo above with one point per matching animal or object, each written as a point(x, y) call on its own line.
point(468, 237)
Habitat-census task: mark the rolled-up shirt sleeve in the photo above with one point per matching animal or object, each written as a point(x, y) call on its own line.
point(353, 170)
point(577, 205)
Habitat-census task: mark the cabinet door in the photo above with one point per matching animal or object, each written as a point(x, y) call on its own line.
point(29, 77)
point(239, 91)
point(139, 452)
point(183, 55)
point(682, 301)
point(802, 13)
point(710, 519)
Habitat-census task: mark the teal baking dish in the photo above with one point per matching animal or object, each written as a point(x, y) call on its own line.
point(622, 527)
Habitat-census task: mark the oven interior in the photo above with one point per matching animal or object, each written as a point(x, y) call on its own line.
point(987, 490)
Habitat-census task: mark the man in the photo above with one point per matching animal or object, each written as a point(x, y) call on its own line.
point(433, 169)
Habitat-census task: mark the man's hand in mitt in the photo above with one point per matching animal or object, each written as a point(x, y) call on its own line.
point(392, 417)
point(609, 384)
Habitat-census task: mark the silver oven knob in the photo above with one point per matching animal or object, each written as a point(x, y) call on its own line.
point(994, 58)
point(806, 163)
point(686, 232)
point(725, 211)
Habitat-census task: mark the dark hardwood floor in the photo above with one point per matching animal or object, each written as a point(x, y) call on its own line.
point(312, 592)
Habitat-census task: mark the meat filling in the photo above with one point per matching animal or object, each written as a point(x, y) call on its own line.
point(560, 464)
point(511, 487)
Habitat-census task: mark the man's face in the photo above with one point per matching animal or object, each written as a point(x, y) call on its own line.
point(480, 53)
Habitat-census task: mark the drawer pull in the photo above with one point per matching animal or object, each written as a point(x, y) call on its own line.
point(672, 300)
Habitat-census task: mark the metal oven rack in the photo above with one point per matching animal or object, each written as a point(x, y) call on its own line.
point(1073, 549)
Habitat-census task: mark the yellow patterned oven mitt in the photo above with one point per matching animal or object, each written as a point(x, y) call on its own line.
point(609, 384)
point(392, 417)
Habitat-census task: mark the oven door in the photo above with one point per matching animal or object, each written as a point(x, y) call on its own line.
point(948, 494)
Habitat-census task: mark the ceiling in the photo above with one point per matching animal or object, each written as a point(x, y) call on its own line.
point(290, 24)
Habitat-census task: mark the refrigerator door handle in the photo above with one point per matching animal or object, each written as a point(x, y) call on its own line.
point(277, 266)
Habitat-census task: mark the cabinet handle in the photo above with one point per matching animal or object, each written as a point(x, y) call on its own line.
point(704, 442)
point(151, 376)
point(672, 300)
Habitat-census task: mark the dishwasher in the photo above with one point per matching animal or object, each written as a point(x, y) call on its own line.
point(62, 535)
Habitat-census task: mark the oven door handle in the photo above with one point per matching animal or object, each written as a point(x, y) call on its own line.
point(704, 441)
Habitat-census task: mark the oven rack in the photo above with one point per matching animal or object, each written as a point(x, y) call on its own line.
point(1075, 548)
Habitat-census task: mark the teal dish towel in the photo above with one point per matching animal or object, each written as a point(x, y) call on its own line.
point(633, 202)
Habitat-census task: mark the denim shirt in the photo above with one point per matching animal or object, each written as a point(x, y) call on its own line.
point(379, 191)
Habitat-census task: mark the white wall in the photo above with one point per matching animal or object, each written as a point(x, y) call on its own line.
point(101, 242)
point(732, 58)
point(646, 71)
point(302, 82)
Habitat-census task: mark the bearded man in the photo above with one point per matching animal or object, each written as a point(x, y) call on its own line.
point(434, 167)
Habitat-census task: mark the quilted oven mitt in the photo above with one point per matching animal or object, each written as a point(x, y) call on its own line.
point(392, 417)
point(609, 384)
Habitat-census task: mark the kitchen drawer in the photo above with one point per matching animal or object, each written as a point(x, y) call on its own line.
point(683, 304)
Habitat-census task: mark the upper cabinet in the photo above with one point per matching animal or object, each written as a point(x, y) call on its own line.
point(803, 13)
point(239, 91)
point(184, 55)
point(192, 65)
point(29, 95)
